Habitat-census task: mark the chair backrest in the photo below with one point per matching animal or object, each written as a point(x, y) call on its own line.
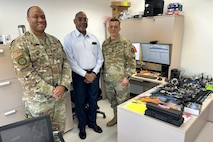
point(36, 129)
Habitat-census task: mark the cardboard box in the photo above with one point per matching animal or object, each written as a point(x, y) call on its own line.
point(118, 7)
point(120, 3)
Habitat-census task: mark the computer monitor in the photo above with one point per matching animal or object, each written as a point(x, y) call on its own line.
point(137, 46)
point(156, 53)
point(36, 129)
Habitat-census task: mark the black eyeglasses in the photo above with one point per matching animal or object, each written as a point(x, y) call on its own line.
point(81, 19)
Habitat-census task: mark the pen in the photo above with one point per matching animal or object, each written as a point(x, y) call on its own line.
point(137, 102)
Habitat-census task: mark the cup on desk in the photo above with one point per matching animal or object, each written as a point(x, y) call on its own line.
point(6, 39)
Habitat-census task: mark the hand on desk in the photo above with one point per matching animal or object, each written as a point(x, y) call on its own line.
point(125, 81)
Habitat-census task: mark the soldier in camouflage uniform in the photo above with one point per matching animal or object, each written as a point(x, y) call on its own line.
point(42, 68)
point(119, 65)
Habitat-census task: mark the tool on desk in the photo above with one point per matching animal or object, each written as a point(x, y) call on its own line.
point(149, 99)
point(136, 102)
point(165, 97)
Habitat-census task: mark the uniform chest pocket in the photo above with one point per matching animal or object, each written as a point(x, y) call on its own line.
point(54, 51)
point(118, 51)
point(38, 56)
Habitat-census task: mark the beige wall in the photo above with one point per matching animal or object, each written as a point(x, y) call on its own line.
point(197, 51)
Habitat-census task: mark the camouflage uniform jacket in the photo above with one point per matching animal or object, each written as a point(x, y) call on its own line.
point(119, 59)
point(40, 65)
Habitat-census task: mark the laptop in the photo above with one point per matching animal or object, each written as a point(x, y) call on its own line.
point(36, 129)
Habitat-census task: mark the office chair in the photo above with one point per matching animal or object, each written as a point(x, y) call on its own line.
point(86, 105)
point(59, 135)
point(37, 129)
point(99, 98)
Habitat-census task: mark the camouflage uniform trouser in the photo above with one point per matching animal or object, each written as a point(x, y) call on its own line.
point(116, 93)
point(56, 110)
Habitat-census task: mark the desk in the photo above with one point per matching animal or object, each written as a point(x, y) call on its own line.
point(136, 127)
point(139, 85)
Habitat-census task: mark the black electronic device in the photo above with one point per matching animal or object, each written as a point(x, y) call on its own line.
point(163, 117)
point(175, 73)
point(153, 7)
point(173, 113)
point(36, 129)
point(164, 113)
point(153, 42)
point(201, 96)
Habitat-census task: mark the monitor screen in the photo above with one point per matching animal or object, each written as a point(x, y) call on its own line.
point(156, 53)
point(36, 129)
point(138, 50)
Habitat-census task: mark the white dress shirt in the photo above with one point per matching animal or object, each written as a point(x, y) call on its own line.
point(83, 52)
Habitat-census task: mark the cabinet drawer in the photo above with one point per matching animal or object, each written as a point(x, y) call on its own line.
point(12, 115)
point(10, 93)
point(7, 70)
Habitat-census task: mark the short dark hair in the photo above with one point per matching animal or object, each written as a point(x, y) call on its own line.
point(28, 10)
point(114, 20)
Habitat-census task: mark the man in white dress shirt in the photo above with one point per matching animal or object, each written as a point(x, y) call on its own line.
point(85, 59)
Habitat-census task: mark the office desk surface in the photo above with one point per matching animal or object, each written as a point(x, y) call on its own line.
point(134, 126)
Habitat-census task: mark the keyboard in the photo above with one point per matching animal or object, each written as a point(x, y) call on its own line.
point(146, 76)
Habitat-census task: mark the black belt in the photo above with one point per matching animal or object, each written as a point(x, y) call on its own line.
point(89, 70)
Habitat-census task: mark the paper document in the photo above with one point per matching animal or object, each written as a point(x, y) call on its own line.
point(137, 106)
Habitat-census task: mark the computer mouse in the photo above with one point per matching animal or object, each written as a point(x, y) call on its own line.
point(160, 78)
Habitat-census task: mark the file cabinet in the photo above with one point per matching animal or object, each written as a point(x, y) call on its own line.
point(12, 107)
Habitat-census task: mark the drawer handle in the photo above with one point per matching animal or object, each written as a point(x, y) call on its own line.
point(1, 51)
point(10, 112)
point(5, 83)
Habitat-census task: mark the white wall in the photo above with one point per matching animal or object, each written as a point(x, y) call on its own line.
point(59, 14)
point(197, 51)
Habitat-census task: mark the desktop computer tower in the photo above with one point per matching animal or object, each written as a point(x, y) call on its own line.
point(153, 7)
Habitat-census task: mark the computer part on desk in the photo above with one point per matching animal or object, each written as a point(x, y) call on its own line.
point(146, 76)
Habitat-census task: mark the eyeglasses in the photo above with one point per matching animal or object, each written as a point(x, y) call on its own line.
point(115, 27)
point(81, 19)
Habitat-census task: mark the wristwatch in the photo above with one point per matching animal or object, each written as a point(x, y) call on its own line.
point(128, 77)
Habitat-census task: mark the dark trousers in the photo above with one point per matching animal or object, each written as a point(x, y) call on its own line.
point(85, 93)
